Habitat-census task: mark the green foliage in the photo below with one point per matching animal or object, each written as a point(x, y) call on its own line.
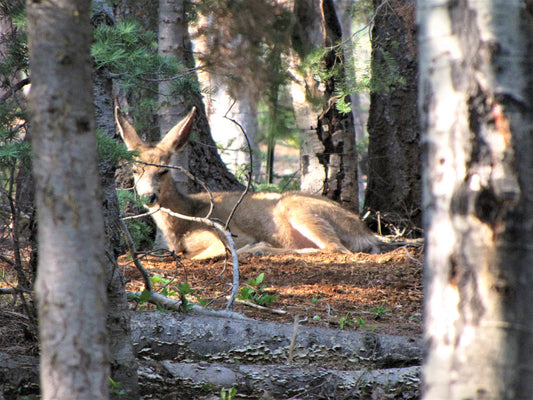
point(386, 74)
point(229, 394)
point(161, 285)
point(286, 184)
point(13, 42)
point(348, 321)
point(129, 53)
point(115, 388)
point(185, 289)
point(12, 151)
point(124, 49)
point(255, 292)
point(140, 231)
point(110, 151)
point(379, 311)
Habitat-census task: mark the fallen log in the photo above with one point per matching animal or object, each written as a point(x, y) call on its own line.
point(277, 382)
point(183, 337)
point(190, 355)
point(19, 375)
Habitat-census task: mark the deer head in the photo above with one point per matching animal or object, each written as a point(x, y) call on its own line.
point(150, 172)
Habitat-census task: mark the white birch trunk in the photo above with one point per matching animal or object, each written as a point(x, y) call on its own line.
point(476, 106)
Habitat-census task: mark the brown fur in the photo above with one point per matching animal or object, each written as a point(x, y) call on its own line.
point(281, 222)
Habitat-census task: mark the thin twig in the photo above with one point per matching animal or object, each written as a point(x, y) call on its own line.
point(262, 308)
point(7, 260)
point(250, 171)
point(156, 298)
point(293, 338)
point(411, 257)
point(141, 215)
point(15, 88)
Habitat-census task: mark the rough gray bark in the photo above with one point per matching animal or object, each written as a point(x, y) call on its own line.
point(70, 284)
point(477, 119)
point(237, 103)
point(394, 176)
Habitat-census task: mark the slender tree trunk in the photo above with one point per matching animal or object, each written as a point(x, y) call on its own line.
point(476, 59)
point(71, 276)
point(171, 38)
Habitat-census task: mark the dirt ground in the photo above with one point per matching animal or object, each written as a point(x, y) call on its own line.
point(381, 293)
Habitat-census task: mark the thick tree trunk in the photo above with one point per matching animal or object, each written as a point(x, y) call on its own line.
point(172, 35)
point(394, 177)
point(71, 276)
point(123, 360)
point(477, 109)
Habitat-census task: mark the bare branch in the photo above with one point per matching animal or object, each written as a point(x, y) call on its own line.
point(15, 88)
point(134, 255)
point(140, 215)
point(250, 171)
point(158, 299)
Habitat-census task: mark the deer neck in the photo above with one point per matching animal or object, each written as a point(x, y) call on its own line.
point(174, 229)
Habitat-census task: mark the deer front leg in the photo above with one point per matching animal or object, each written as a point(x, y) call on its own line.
point(203, 244)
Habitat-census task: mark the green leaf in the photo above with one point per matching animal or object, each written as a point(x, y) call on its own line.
point(245, 293)
point(145, 296)
point(185, 288)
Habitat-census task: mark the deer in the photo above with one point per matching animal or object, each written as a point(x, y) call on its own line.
point(275, 223)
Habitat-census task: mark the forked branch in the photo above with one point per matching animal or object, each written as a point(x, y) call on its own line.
point(228, 243)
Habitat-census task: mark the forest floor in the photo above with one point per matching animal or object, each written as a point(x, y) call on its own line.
point(368, 292)
point(379, 294)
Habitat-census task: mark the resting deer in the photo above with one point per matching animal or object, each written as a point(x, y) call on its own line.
point(285, 222)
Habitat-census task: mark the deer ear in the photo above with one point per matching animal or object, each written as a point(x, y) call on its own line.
point(177, 137)
point(127, 132)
